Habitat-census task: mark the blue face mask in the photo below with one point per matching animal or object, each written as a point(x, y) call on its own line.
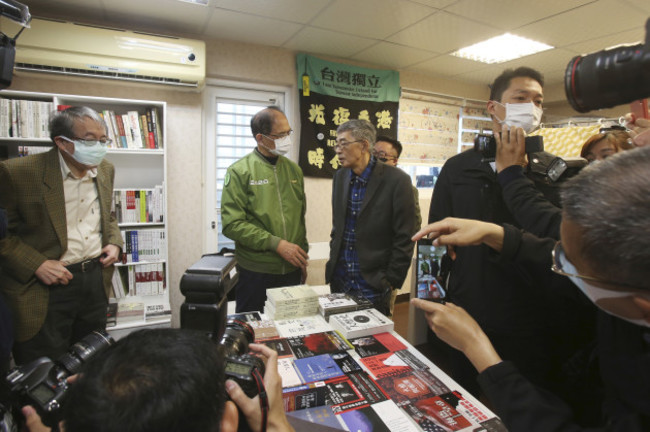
point(88, 152)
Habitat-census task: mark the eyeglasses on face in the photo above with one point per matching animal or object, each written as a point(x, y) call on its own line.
point(344, 144)
point(279, 136)
point(90, 142)
point(381, 155)
point(559, 256)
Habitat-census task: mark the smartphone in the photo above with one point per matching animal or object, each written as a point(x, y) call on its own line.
point(428, 283)
point(640, 109)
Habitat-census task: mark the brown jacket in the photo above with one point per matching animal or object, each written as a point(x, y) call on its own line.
point(31, 191)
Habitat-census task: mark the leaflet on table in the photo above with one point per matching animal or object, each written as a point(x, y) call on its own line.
point(318, 343)
point(380, 417)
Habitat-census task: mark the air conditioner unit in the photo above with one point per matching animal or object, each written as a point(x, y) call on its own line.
point(84, 50)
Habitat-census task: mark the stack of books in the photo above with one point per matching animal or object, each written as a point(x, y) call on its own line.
point(335, 303)
point(290, 302)
point(361, 323)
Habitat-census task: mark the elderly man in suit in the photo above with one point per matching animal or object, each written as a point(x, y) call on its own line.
point(57, 258)
point(372, 219)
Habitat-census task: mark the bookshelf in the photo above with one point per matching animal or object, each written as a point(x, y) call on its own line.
point(139, 168)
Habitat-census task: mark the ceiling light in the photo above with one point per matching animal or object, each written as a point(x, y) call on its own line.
point(199, 2)
point(501, 48)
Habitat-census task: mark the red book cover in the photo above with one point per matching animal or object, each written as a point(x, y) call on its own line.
point(439, 411)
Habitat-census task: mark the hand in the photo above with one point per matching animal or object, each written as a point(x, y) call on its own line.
point(53, 272)
point(511, 147)
point(457, 328)
point(110, 255)
point(277, 419)
point(303, 275)
point(293, 254)
point(462, 232)
point(33, 421)
point(639, 129)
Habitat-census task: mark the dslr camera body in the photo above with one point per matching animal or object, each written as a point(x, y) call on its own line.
point(42, 382)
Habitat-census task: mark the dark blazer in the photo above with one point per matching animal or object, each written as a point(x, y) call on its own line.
point(31, 191)
point(384, 228)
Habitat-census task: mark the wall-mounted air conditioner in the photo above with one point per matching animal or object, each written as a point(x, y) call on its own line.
point(82, 50)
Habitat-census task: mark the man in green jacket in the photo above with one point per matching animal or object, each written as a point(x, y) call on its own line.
point(263, 210)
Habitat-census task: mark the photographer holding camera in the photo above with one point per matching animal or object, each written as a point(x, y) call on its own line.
point(604, 250)
point(166, 380)
point(530, 325)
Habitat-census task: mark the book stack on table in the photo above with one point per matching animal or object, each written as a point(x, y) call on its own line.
point(290, 302)
point(335, 303)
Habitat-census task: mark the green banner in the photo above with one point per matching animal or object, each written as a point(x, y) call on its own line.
point(346, 81)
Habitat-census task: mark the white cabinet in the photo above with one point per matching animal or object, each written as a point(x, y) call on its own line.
point(140, 169)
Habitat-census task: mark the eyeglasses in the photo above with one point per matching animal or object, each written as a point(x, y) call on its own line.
point(90, 142)
point(283, 135)
point(559, 256)
point(344, 144)
point(382, 156)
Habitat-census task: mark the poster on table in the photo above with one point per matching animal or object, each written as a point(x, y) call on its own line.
point(330, 95)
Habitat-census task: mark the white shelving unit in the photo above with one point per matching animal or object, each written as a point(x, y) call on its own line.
point(135, 169)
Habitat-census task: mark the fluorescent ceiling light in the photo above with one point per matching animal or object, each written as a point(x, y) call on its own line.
point(501, 48)
point(199, 2)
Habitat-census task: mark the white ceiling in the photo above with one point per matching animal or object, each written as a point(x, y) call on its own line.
point(415, 35)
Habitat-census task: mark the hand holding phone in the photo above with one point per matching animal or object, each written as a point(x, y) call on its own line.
point(428, 269)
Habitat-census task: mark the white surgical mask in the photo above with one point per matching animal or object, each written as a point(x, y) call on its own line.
point(524, 115)
point(87, 152)
point(594, 293)
point(282, 145)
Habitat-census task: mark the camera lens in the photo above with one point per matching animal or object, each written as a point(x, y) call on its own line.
point(81, 351)
point(236, 337)
point(608, 78)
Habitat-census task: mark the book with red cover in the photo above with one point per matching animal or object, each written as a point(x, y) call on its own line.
point(379, 343)
point(389, 364)
point(318, 343)
point(412, 386)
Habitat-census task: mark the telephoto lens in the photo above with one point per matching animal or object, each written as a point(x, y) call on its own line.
point(610, 77)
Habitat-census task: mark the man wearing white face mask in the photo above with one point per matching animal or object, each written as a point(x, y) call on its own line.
point(604, 250)
point(263, 210)
point(525, 324)
point(57, 259)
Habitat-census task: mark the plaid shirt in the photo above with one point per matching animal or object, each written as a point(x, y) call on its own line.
point(347, 273)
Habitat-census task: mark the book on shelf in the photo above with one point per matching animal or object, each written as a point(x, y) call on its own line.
point(361, 323)
point(138, 206)
point(22, 118)
point(111, 314)
point(130, 312)
point(157, 310)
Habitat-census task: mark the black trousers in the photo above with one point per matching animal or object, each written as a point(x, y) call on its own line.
point(73, 311)
point(251, 287)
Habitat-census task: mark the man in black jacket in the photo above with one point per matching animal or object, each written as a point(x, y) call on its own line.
point(532, 327)
point(373, 219)
point(604, 250)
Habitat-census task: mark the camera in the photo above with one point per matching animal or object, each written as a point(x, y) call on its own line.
point(487, 145)
point(241, 367)
point(610, 77)
point(42, 382)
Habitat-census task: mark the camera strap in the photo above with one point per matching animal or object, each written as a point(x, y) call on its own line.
point(264, 398)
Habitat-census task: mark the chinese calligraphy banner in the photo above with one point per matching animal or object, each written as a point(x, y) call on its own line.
point(333, 93)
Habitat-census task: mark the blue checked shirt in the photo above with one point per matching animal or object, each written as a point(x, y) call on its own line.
point(347, 273)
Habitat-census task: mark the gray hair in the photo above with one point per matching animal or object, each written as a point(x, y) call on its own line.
point(610, 201)
point(360, 130)
point(62, 122)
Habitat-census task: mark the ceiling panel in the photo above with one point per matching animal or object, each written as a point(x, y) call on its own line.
point(229, 25)
point(448, 66)
point(591, 21)
point(393, 55)
point(439, 4)
point(286, 10)
point(371, 18)
point(631, 37)
point(444, 32)
point(313, 40)
point(509, 14)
